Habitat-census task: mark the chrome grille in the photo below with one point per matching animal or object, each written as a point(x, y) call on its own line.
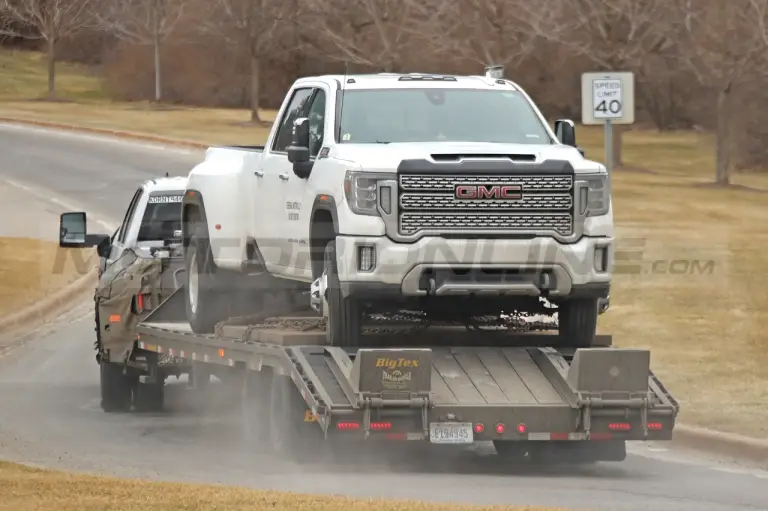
point(560, 201)
point(411, 223)
point(427, 202)
point(443, 182)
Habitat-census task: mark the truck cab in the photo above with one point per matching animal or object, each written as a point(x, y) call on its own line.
point(446, 194)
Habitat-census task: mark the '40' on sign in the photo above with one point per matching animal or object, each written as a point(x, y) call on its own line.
point(607, 101)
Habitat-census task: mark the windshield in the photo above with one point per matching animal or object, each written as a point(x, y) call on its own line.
point(162, 216)
point(439, 115)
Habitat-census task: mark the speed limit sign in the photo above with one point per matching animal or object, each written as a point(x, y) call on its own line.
point(608, 97)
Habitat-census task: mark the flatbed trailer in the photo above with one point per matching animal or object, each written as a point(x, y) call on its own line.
point(439, 385)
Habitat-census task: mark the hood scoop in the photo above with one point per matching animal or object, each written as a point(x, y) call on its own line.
point(456, 158)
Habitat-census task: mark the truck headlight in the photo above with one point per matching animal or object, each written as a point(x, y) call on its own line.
point(596, 195)
point(362, 192)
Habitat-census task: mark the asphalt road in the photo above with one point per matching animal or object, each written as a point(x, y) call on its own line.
point(49, 412)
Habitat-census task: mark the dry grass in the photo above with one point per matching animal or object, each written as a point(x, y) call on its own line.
point(31, 270)
point(26, 489)
point(23, 76)
point(706, 330)
point(708, 333)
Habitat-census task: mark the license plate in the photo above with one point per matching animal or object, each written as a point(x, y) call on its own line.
point(450, 433)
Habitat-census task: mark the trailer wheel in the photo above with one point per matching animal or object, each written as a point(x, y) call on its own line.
point(345, 315)
point(201, 299)
point(149, 397)
point(115, 388)
point(577, 321)
point(255, 407)
point(290, 435)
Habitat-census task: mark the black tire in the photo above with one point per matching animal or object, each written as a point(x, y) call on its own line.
point(149, 397)
point(202, 303)
point(290, 435)
point(345, 315)
point(115, 388)
point(577, 321)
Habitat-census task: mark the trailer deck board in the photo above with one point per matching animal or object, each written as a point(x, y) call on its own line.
point(490, 376)
point(506, 377)
point(531, 374)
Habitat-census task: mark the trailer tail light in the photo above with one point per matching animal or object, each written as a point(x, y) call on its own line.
point(654, 425)
point(348, 425)
point(619, 426)
point(521, 428)
point(500, 428)
point(380, 426)
point(479, 428)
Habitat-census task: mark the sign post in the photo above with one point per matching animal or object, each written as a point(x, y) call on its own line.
point(608, 99)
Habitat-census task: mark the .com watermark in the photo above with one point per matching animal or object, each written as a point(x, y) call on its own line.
point(631, 256)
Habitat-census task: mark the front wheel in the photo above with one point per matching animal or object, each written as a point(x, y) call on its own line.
point(345, 315)
point(201, 299)
point(116, 391)
point(577, 321)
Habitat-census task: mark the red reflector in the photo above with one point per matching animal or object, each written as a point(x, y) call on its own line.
point(600, 436)
point(558, 436)
point(500, 429)
point(479, 428)
point(521, 429)
point(347, 425)
point(619, 426)
point(395, 436)
point(140, 301)
point(654, 425)
point(378, 426)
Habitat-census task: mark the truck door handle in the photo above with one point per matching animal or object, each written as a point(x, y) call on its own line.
point(284, 177)
point(258, 173)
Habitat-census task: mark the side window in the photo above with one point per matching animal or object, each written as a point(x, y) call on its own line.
point(297, 107)
point(316, 122)
point(128, 215)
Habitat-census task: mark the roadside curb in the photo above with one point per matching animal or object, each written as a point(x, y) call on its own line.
point(718, 442)
point(49, 305)
point(103, 131)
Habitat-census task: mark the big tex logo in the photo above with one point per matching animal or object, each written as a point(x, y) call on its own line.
point(396, 363)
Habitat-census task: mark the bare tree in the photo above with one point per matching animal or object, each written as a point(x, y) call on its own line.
point(725, 45)
point(612, 34)
point(487, 32)
point(51, 20)
point(142, 22)
point(372, 33)
point(252, 25)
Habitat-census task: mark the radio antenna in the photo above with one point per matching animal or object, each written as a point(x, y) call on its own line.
point(341, 99)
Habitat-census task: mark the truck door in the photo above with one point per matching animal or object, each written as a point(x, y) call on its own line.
point(271, 188)
point(301, 193)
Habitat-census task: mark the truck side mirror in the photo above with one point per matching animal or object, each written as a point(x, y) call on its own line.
point(565, 130)
point(73, 233)
point(298, 151)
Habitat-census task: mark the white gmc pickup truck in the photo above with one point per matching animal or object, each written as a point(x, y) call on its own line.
point(448, 195)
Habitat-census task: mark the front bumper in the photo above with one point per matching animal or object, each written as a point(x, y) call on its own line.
point(581, 269)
